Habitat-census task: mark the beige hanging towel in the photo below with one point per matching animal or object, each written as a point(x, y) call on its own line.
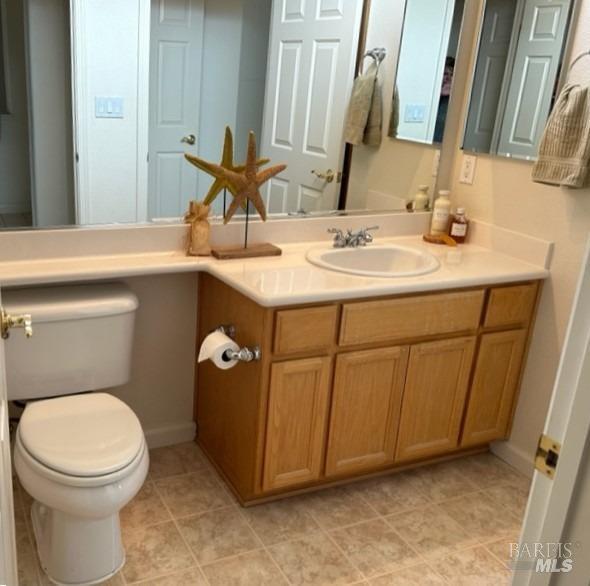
point(394, 116)
point(363, 104)
point(373, 130)
point(564, 152)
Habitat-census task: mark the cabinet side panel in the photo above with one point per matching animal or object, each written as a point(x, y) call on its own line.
point(230, 402)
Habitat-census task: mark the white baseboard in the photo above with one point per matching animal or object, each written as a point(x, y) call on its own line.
point(169, 435)
point(518, 459)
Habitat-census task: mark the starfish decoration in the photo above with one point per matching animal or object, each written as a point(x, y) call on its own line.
point(227, 162)
point(247, 184)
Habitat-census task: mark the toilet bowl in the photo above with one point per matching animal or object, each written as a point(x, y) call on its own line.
point(81, 455)
point(80, 486)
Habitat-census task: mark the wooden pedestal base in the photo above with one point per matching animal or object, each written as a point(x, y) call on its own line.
point(253, 251)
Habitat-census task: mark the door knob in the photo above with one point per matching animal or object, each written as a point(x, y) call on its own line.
point(189, 139)
point(7, 322)
point(328, 176)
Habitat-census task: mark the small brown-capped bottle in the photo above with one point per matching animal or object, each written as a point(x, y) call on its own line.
point(459, 226)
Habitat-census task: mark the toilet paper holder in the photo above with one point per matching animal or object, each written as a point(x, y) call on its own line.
point(244, 354)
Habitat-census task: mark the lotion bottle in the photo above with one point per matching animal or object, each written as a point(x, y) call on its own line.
point(421, 199)
point(441, 214)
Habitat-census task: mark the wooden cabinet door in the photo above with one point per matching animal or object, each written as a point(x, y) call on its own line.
point(434, 398)
point(495, 381)
point(366, 404)
point(297, 418)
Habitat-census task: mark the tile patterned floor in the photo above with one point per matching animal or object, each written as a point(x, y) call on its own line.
point(444, 524)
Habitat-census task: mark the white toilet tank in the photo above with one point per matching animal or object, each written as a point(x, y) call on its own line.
point(82, 339)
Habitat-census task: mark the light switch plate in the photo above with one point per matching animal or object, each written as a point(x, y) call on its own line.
point(414, 113)
point(108, 107)
point(467, 175)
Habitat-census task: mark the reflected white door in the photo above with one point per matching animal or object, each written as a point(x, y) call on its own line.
point(536, 66)
point(8, 571)
point(176, 49)
point(312, 50)
point(493, 51)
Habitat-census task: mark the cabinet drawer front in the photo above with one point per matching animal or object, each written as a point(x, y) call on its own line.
point(511, 306)
point(410, 317)
point(302, 330)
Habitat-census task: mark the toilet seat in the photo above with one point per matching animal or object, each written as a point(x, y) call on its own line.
point(86, 439)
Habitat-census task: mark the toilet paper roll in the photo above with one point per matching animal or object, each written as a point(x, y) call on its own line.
point(214, 347)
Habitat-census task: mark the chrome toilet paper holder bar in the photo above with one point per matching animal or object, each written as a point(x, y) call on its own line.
point(244, 354)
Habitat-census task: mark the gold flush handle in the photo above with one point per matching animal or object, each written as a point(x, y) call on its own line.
point(328, 176)
point(8, 322)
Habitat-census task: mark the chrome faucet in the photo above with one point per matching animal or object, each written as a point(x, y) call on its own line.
point(352, 239)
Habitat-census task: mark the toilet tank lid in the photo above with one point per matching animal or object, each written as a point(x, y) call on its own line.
point(48, 304)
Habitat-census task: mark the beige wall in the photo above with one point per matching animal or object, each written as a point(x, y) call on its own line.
point(397, 167)
point(162, 380)
point(504, 194)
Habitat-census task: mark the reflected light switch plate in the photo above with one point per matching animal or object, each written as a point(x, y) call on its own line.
point(108, 107)
point(414, 113)
point(467, 175)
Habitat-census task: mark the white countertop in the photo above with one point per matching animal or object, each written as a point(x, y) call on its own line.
point(289, 279)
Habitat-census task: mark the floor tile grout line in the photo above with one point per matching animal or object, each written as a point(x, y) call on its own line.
point(504, 564)
point(189, 548)
point(478, 541)
point(266, 549)
point(336, 544)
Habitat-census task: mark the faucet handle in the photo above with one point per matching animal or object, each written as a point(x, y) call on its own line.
point(364, 233)
point(340, 239)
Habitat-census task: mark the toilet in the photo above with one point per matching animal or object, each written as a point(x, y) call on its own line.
point(79, 453)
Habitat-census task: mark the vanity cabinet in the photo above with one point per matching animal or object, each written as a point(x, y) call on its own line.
point(351, 388)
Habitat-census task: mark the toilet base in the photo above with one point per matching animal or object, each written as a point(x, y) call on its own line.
point(75, 551)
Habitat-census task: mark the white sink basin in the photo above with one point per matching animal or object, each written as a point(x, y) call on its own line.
point(375, 260)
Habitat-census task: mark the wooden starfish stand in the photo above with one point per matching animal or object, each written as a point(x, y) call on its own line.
point(244, 183)
point(251, 251)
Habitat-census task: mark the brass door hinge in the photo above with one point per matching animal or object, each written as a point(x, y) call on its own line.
point(547, 456)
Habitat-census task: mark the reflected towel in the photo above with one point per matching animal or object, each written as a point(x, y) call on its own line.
point(564, 152)
point(394, 116)
point(373, 131)
point(361, 105)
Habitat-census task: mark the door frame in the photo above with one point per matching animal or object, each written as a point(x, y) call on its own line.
point(568, 422)
point(8, 562)
point(80, 100)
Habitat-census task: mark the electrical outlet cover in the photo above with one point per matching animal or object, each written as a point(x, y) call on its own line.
point(467, 175)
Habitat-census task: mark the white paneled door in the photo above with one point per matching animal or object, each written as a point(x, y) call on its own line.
point(494, 46)
point(176, 48)
point(536, 66)
point(312, 50)
point(8, 571)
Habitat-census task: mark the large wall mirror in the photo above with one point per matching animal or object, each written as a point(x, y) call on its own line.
point(517, 72)
point(100, 99)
